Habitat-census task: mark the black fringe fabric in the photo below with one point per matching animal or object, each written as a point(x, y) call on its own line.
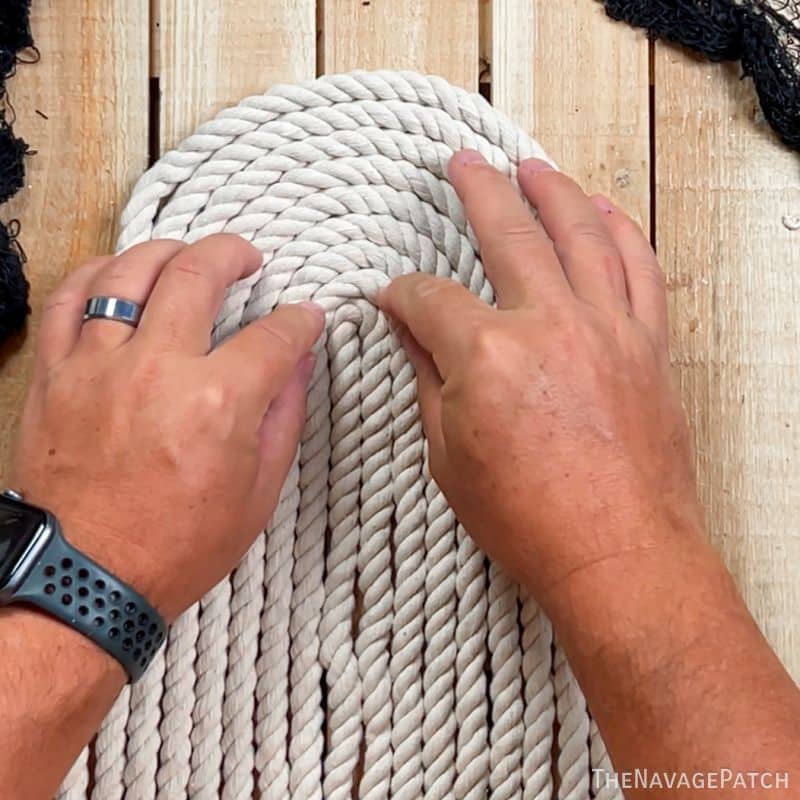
point(13, 284)
point(763, 34)
point(15, 35)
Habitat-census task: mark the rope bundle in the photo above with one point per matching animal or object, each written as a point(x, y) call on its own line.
point(364, 646)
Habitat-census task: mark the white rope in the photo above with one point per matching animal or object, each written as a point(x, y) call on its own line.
point(605, 785)
point(405, 664)
point(272, 667)
point(343, 718)
point(77, 780)
point(537, 745)
point(176, 723)
point(144, 739)
point(374, 567)
point(109, 748)
point(438, 681)
point(205, 775)
point(238, 739)
point(573, 733)
point(505, 688)
point(472, 699)
point(364, 646)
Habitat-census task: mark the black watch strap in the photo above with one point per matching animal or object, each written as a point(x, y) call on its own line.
point(69, 585)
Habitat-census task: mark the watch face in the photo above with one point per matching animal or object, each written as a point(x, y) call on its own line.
point(18, 526)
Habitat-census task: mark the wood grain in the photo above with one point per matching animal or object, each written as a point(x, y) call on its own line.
point(580, 84)
point(84, 109)
point(724, 184)
point(429, 36)
point(210, 54)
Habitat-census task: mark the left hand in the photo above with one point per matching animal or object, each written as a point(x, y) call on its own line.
point(163, 460)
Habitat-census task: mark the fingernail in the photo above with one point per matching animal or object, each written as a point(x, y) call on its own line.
point(603, 203)
point(535, 165)
point(306, 368)
point(467, 157)
point(380, 297)
point(315, 308)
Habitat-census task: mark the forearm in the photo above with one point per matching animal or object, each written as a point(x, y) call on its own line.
point(55, 688)
point(675, 670)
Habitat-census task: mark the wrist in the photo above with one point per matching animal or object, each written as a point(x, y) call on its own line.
point(118, 551)
point(125, 558)
point(660, 641)
point(646, 627)
point(627, 598)
point(33, 637)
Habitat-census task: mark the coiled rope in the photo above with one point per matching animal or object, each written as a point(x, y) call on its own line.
point(364, 647)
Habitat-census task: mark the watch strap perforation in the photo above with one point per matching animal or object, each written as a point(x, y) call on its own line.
point(72, 587)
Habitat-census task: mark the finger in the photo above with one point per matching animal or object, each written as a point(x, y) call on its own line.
point(429, 394)
point(281, 428)
point(261, 358)
point(643, 274)
point(129, 276)
point(437, 311)
point(189, 292)
point(583, 244)
point(517, 254)
point(62, 314)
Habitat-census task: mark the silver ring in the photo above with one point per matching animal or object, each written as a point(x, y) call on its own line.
point(115, 308)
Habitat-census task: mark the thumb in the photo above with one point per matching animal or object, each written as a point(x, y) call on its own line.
point(280, 430)
point(429, 395)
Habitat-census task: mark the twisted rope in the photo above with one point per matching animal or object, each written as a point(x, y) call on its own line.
point(363, 646)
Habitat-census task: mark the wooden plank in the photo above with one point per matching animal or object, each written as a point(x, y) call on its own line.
point(429, 36)
point(211, 54)
point(724, 185)
point(91, 143)
point(580, 84)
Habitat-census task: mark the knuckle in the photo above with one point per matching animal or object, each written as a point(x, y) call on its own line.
point(147, 374)
point(651, 271)
point(425, 289)
point(586, 233)
point(275, 335)
point(514, 237)
point(187, 264)
point(64, 295)
point(213, 399)
point(585, 243)
point(227, 240)
point(60, 391)
point(569, 333)
point(487, 342)
point(480, 174)
point(608, 264)
point(495, 361)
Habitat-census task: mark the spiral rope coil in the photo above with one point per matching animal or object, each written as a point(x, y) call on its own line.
point(364, 647)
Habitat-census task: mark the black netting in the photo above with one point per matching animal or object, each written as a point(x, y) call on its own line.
point(763, 34)
point(13, 284)
point(15, 35)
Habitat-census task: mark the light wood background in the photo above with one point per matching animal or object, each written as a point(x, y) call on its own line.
point(676, 141)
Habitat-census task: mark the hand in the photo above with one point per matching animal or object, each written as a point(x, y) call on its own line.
point(161, 460)
point(554, 427)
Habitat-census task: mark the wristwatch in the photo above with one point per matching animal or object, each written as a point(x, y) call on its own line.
point(39, 566)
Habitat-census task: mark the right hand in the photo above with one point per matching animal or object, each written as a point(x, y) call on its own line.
point(554, 427)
